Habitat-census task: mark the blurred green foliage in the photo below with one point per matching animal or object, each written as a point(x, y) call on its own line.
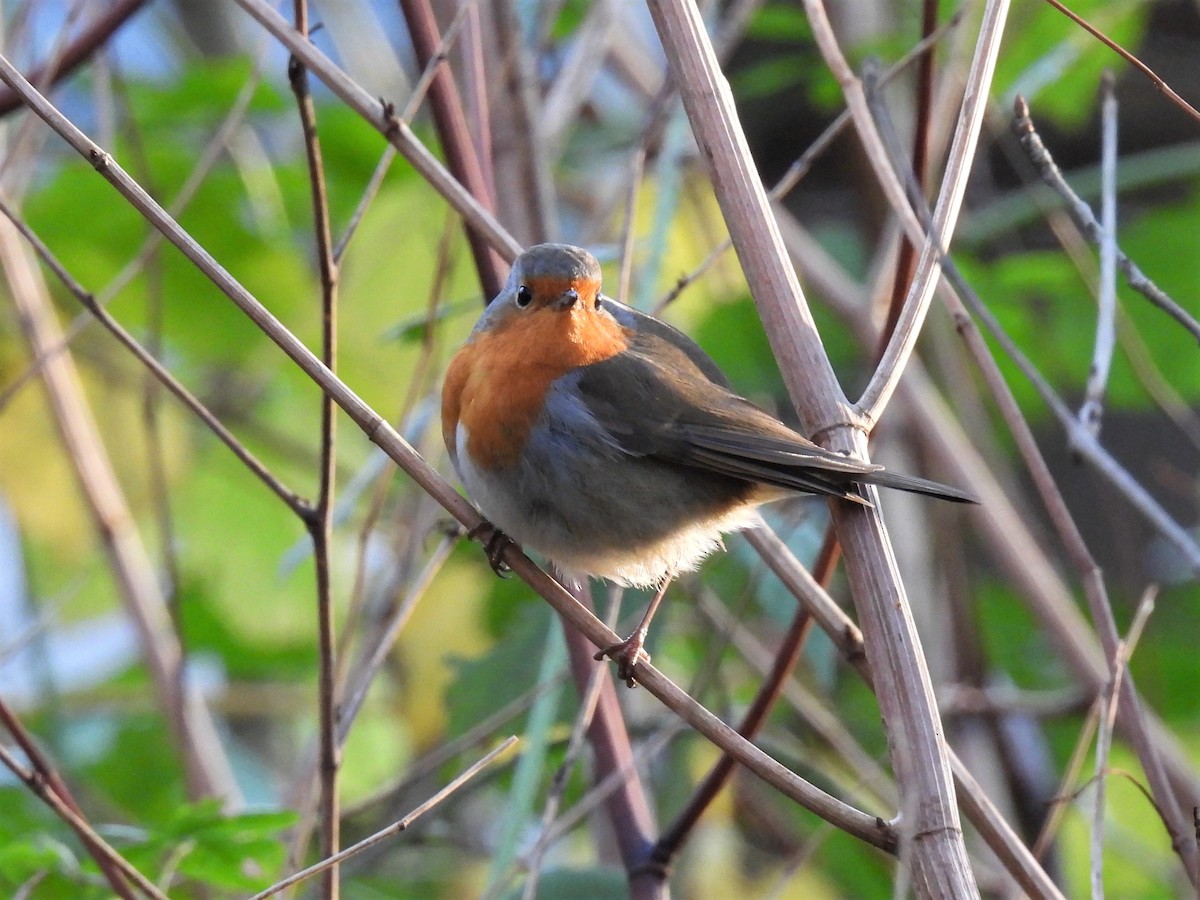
point(473, 645)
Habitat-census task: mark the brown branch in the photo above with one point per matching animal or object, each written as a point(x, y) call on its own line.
point(627, 806)
point(451, 123)
point(393, 829)
point(1158, 83)
point(381, 115)
point(672, 839)
point(45, 772)
point(80, 50)
point(191, 725)
point(319, 521)
point(866, 827)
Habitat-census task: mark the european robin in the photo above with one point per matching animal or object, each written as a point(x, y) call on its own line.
point(611, 443)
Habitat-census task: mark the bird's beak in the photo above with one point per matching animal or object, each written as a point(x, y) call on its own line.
point(567, 299)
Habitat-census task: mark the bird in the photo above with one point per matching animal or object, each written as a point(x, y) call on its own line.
point(611, 443)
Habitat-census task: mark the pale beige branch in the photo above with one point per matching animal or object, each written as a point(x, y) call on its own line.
point(862, 825)
point(207, 766)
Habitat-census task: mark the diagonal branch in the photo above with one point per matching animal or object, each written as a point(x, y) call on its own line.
point(919, 753)
point(79, 52)
point(190, 722)
point(382, 116)
point(864, 826)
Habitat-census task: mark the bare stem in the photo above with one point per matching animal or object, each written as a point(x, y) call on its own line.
point(320, 521)
point(867, 827)
point(393, 829)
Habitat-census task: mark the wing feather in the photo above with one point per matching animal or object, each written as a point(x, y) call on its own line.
point(665, 398)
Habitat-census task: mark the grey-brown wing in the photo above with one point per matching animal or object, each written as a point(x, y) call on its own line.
point(676, 414)
point(651, 331)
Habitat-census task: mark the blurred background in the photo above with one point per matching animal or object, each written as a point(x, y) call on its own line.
point(192, 99)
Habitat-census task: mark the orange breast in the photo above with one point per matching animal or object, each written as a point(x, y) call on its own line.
point(496, 384)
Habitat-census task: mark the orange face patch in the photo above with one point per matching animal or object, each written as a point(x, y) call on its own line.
point(547, 289)
point(496, 385)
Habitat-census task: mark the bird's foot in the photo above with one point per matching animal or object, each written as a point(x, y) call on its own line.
point(629, 653)
point(495, 542)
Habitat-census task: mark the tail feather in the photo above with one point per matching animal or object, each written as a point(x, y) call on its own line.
point(918, 486)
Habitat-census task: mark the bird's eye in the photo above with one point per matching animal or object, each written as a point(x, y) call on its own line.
point(597, 304)
point(524, 296)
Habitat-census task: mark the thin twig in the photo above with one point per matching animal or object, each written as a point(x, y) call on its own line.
point(800, 167)
point(1086, 219)
point(360, 680)
point(46, 792)
point(44, 770)
point(79, 52)
point(1092, 410)
point(923, 102)
point(477, 89)
point(410, 109)
point(864, 826)
point(525, 189)
point(613, 782)
point(1070, 774)
point(478, 733)
point(946, 210)
point(873, 785)
point(558, 782)
point(151, 388)
point(786, 656)
point(581, 64)
point(320, 520)
point(205, 761)
point(629, 230)
point(293, 501)
point(1104, 734)
point(1087, 446)
point(212, 151)
point(393, 829)
point(420, 374)
point(381, 115)
point(1129, 58)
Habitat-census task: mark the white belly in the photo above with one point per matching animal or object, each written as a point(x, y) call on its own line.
point(578, 527)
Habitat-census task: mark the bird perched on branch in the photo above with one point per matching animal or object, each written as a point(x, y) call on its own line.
point(611, 443)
